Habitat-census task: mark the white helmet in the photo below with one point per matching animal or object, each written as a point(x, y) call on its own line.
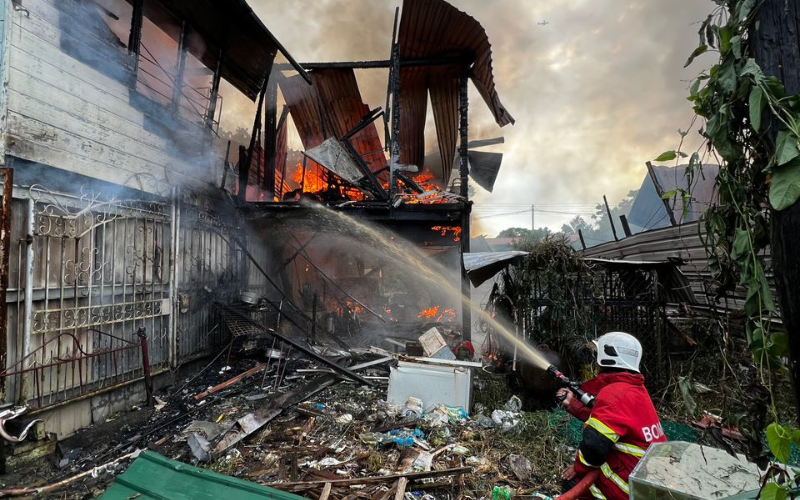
point(618, 350)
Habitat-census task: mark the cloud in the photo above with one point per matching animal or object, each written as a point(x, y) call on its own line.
point(596, 92)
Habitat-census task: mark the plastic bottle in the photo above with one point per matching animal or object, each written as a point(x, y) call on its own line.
point(501, 493)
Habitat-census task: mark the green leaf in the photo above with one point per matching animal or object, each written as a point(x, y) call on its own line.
point(728, 76)
point(784, 190)
point(724, 34)
point(766, 293)
point(796, 436)
point(694, 88)
point(780, 345)
point(751, 68)
point(699, 50)
point(667, 156)
point(694, 162)
point(686, 391)
point(741, 244)
point(736, 46)
point(744, 9)
point(669, 194)
point(757, 104)
point(779, 440)
point(786, 148)
point(773, 491)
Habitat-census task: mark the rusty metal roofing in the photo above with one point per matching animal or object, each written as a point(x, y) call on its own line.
point(304, 106)
point(344, 109)
point(331, 107)
point(231, 25)
point(434, 28)
point(413, 109)
point(444, 88)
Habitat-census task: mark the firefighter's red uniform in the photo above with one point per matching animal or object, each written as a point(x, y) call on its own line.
point(622, 423)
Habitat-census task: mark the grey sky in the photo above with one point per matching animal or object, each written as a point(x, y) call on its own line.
point(596, 92)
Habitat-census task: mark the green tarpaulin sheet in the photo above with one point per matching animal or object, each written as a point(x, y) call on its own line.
point(154, 476)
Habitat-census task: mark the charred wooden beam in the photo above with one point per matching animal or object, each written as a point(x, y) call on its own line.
point(244, 167)
point(626, 228)
point(300, 347)
point(463, 151)
point(212, 102)
point(270, 134)
point(379, 64)
point(394, 84)
point(135, 38)
point(180, 69)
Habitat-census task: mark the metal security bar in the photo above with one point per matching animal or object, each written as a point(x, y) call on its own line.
point(89, 273)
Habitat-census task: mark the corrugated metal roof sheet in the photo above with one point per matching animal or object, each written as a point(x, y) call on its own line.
point(331, 107)
point(444, 87)
point(344, 108)
point(648, 209)
point(152, 476)
point(434, 28)
point(481, 266)
point(304, 106)
point(413, 108)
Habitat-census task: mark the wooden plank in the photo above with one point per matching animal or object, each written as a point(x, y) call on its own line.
point(27, 38)
point(80, 105)
point(402, 483)
point(111, 139)
point(23, 147)
point(230, 382)
point(326, 492)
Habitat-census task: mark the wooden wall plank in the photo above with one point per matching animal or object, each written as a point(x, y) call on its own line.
point(65, 114)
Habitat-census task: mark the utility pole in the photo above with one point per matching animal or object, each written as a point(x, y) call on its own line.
point(533, 225)
point(776, 47)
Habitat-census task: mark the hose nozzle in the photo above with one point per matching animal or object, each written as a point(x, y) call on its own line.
point(563, 381)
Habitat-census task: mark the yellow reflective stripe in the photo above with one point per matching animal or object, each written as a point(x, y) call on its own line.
point(610, 474)
point(596, 492)
point(630, 449)
point(583, 460)
point(602, 429)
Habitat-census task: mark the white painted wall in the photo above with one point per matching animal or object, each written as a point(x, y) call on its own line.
point(66, 114)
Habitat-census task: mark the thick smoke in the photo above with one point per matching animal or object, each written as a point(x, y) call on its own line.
point(596, 92)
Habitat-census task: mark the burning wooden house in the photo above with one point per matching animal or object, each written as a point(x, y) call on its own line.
point(126, 231)
point(370, 163)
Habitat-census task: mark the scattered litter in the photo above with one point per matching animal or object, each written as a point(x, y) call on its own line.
point(413, 408)
point(514, 404)
point(199, 446)
point(520, 466)
point(501, 493)
point(329, 462)
point(506, 420)
point(344, 419)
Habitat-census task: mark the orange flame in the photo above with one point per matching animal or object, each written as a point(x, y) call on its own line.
point(433, 312)
point(456, 230)
point(314, 179)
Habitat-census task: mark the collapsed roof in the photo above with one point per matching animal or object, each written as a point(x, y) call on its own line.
point(228, 27)
point(435, 29)
point(429, 30)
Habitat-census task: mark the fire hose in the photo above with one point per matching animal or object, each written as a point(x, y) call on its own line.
point(580, 489)
point(574, 387)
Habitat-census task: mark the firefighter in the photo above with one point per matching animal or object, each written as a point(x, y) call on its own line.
point(622, 423)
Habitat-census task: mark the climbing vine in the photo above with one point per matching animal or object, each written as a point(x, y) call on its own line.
point(751, 129)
